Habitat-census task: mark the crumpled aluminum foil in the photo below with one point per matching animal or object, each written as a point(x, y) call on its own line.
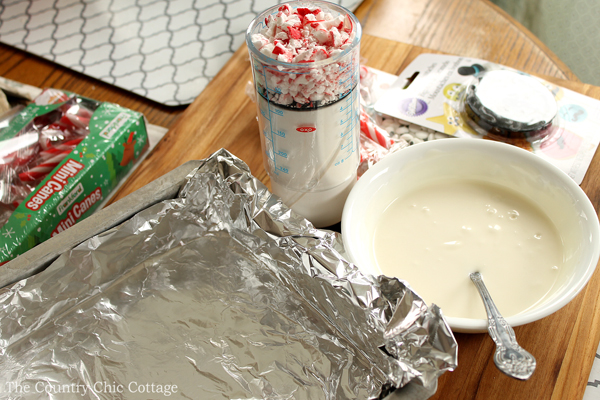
point(222, 292)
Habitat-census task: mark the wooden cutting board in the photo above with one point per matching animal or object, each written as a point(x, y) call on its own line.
point(223, 116)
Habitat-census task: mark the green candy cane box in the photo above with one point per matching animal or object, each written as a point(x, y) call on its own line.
point(76, 187)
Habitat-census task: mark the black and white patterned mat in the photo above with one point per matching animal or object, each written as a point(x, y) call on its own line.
point(165, 50)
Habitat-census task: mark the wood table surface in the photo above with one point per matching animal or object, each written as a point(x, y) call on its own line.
point(396, 31)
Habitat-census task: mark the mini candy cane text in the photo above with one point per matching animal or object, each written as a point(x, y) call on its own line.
point(55, 184)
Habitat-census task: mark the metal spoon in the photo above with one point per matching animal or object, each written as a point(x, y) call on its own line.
point(510, 358)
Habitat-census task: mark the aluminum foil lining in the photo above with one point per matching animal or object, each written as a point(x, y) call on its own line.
point(221, 293)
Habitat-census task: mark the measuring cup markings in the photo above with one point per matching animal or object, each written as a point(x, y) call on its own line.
point(273, 148)
point(270, 148)
point(276, 139)
point(351, 84)
point(308, 114)
point(347, 134)
point(350, 106)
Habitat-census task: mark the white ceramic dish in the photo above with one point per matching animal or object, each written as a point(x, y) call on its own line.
point(554, 191)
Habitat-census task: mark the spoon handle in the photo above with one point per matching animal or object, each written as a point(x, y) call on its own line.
point(510, 358)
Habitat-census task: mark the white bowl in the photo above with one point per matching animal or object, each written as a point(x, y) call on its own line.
point(555, 192)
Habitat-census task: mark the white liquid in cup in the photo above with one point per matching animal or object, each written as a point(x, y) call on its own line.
point(311, 156)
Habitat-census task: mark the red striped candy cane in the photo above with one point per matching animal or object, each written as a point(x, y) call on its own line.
point(374, 132)
point(41, 170)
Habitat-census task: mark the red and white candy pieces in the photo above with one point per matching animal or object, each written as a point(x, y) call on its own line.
point(305, 35)
point(54, 136)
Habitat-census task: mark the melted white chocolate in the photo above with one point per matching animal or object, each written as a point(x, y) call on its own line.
point(438, 234)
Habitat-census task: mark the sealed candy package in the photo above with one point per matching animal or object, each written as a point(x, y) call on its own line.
point(60, 157)
point(471, 98)
point(38, 148)
point(510, 105)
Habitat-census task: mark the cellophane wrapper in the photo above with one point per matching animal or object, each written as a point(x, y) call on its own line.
point(222, 292)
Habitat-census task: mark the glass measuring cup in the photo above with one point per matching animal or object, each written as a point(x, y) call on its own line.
point(308, 117)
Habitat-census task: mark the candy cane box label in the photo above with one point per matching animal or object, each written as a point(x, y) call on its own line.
point(75, 213)
point(56, 183)
point(76, 187)
point(114, 126)
point(69, 199)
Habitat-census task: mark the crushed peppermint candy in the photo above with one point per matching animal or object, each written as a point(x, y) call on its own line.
point(306, 36)
point(403, 134)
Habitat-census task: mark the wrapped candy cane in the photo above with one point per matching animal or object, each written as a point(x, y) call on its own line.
point(59, 148)
point(12, 189)
point(47, 160)
point(39, 171)
point(77, 117)
point(31, 155)
point(374, 132)
point(370, 153)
